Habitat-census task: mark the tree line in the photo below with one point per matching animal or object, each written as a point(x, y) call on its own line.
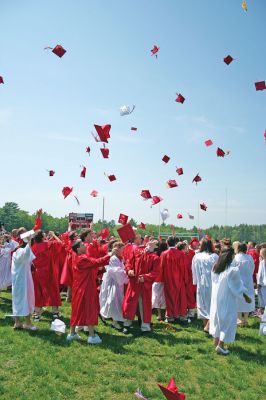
point(11, 216)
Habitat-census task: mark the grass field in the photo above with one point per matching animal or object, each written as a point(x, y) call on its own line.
point(42, 365)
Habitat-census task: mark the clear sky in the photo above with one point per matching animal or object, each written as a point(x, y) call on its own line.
point(48, 106)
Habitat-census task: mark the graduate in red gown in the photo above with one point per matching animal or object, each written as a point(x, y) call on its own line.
point(190, 288)
point(66, 278)
point(142, 269)
point(85, 297)
point(45, 278)
point(252, 251)
point(173, 276)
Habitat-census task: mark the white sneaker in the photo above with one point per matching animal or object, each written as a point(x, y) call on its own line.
point(73, 337)
point(94, 339)
point(81, 328)
point(220, 350)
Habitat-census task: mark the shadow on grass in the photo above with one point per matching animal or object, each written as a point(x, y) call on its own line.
point(247, 355)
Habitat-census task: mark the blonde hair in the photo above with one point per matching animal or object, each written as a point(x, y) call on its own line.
point(235, 246)
point(263, 253)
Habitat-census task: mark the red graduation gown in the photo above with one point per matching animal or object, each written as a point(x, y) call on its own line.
point(173, 276)
point(146, 264)
point(85, 297)
point(45, 278)
point(256, 258)
point(190, 288)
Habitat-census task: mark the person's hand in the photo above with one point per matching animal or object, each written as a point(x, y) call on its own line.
point(247, 298)
point(131, 273)
point(141, 279)
point(39, 213)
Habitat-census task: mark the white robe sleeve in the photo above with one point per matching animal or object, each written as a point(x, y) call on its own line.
point(194, 274)
point(261, 275)
point(116, 271)
point(235, 283)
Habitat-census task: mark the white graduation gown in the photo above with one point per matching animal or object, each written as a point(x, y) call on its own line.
point(112, 289)
point(246, 267)
point(5, 264)
point(202, 264)
point(22, 283)
point(227, 287)
point(261, 280)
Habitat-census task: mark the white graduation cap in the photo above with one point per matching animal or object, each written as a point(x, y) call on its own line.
point(262, 331)
point(25, 236)
point(125, 110)
point(58, 326)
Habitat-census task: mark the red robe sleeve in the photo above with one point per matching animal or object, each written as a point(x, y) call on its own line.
point(89, 262)
point(37, 224)
point(152, 275)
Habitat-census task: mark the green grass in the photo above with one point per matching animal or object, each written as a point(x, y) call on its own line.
point(42, 365)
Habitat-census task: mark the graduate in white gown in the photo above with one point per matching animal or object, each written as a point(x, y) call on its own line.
point(261, 279)
point(23, 299)
point(112, 287)
point(6, 249)
point(246, 267)
point(227, 287)
point(202, 264)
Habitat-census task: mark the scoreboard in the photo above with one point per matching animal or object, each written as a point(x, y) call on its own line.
point(80, 220)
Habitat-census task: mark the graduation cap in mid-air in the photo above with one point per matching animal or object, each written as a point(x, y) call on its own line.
point(58, 50)
point(66, 191)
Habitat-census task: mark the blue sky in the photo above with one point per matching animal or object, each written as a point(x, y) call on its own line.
point(48, 107)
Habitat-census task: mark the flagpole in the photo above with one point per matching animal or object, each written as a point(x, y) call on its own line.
point(103, 211)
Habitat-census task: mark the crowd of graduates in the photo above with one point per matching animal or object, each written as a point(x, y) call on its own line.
point(118, 281)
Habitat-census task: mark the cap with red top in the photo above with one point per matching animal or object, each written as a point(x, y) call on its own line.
point(179, 98)
point(171, 391)
point(194, 243)
point(171, 183)
point(165, 159)
point(197, 179)
point(122, 219)
point(103, 132)
point(88, 150)
point(179, 216)
point(1, 79)
point(105, 152)
point(133, 128)
point(220, 152)
point(51, 172)
point(156, 200)
point(94, 193)
point(142, 226)
point(208, 142)
point(203, 206)
point(111, 178)
point(57, 50)
point(260, 85)
point(155, 50)
point(145, 194)
point(228, 59)
point(104, 233)
point(179, 171)
point(126, 233)
point(83, 172)
point(66, 191)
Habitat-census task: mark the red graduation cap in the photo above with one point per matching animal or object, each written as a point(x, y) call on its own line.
point(126, 233)
point(165, 159)
point(179, 98)
point(265, 137)
point(1, 79)
point(197, 179)
point(57, 50)
point(51, 172)
point(208, 142)
point(171, 391)
point(171, 183)
point(94, 193)
point(145, 194)
point(88, 149)
point(228, 59)
point(179, 171)
point(194, 243)
point(179, 216)
point(112, 178)
point(142, 226)
point(260, 85)
point(105, 152)
point(103, 132)
point(203, 206)
point(122, 219)
point(156, 200)
point(133, 128)
point(83, 172)
point(66, 191)
point(104, 233)
point(155, 50)
point(220, 152)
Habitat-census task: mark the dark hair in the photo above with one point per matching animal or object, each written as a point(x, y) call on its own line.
point(76, 245)
point(171, 241)
point(84, 233)
point(38, 237)
point(162, 247)
point(225, 259)
point(111, 243)
point(206, 245)
point(181, 245)
point(242, 248)
point(72, 234)
point(226, 242)
point(217, 248)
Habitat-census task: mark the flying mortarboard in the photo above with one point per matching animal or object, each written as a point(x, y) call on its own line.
point(228, 59)
point(94, 193)
point(179, 98)
point(155, 50)
point(103, 133)
point(1, 79)
point(88, 150)
point(197, 179)
point(104, 233)
point(208, 142)
point(122, 219)
point(57, 50)
point(51, 172)
point(126, 233)
point(220, 152)
point(165, 159)
point(83, 172)
point(111, 178)
point(203, 206)
point(142, 226)
point(260, 85)
point(179, 216)
point(156, 200)
point(134, 128)
point(179, 171)
point(66, 191)
point(171, 391)
point(145, 194)
point(265, 137)
point(105, 152)
point(126, 110)
point(171, 183)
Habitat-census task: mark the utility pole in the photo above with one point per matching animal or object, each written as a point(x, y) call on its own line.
point(103, 211)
